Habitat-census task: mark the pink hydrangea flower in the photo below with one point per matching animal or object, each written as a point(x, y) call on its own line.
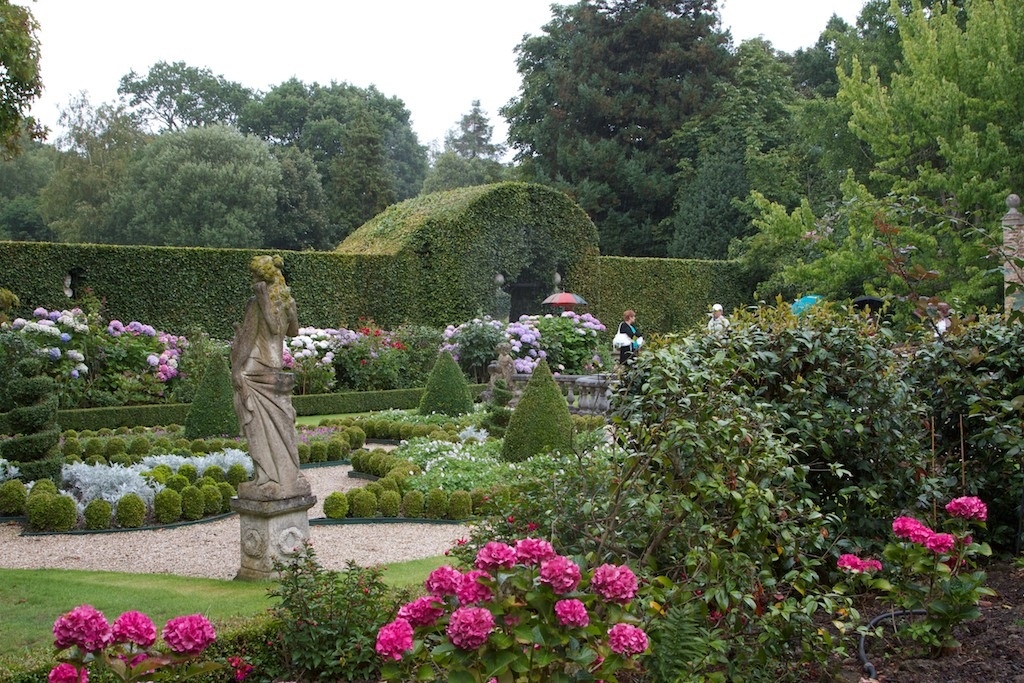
point(66, 673)
point(940, 543)
point(854, 564)
point(495, 555)
point(469, 627)
point(471, 590)
point(533, 551)
point(84, 626)
point(394, 639)
point(572, 612)
point(627, 640)
point(189, 635)
point(134, 627)
point(444, 580)
point(561, 573)
point(968, 507)
point(911, 529)
point(422, 611)
point(614, 583)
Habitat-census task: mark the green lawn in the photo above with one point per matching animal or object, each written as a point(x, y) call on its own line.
point(33, 598)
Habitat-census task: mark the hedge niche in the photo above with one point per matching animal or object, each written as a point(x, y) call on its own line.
point(441, 255)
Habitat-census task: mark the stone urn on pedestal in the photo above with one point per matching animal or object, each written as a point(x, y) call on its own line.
point(273, 506)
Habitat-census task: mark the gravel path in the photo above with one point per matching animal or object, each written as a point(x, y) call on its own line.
point(212, 549)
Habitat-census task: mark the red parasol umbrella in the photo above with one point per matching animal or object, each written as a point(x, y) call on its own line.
point(565, 300)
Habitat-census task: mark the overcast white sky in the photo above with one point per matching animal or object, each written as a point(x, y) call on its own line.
point(436, 56)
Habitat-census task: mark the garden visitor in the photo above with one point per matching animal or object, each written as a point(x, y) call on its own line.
point(943, 322)
point(263, 392)
point(718, 324)
point(627, 340)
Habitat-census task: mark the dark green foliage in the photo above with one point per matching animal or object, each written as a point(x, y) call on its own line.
point(197, 446)
point(130, 511)
point(447, 391)
point(193, 503)
point(460, 505)
point(93, 446)
point(215, 473)
point(329, 620)
point(303, 449)
point(236, 474)
point(43, 486)
point(114, 446)
point(318, 451)
point(435, 504)
point(212, 499)
point(139, 445)
point(337, 449)
point(540, 422)
point(497, 415)
point(71, 446)
point(98, 514)
point(189, 471)
point(362, 503)
point(412, 504)
point(390, 503)
point(227, 492)
point(33, 416)
point(167, 506)
point(213, 411)
point(51, 512)
point(12, 498)
point(177, 482)
point(335, 505)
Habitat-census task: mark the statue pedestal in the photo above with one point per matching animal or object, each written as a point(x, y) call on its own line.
point(271, 530)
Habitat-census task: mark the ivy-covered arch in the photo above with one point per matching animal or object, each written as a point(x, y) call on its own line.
point(448, 248)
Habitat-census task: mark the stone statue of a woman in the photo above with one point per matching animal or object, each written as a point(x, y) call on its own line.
point(263, 391)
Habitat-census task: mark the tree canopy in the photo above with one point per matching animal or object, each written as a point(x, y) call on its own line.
point(20, 79)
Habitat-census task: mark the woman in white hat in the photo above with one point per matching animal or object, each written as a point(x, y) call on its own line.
point(718, 324)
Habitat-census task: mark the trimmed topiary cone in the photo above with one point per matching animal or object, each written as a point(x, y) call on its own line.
point(447, 390)
point(213, 410)
point(541, 421)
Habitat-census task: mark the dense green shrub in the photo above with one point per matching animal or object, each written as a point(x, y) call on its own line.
point(435, 505)
point(302, 448)
point(541, 421)
point(227, 492)
point(337, 448)
point(335, 505)
point(93, 446)
point(362, 503)
point(412, 504)
point(447, 391)
point(167, 506)
point(375, 488)
point(318, 451)
point(51, 512)
point(189, 471)
point(215, 473)
point(198, 446)
point(162, 444)
point(390, 503)
point(236, 474)
point(98, 514)
point(329, 620)
point(460, 505)
point(41, 486)
point(193, 503)
point(130, 511)
point(13, 494)
point(177, 482)
point(71, 447)
point(213, 410)
point(115, 445)
point(139, 445)
point(212, 499)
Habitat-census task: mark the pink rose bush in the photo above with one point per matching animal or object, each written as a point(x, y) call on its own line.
point(84, 639)
point(931, 571)
point(522, 610)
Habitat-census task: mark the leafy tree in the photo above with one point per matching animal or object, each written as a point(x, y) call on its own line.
point(603, 90)
point(21, 180)
point(20, 220)
point(469, 156)
point(301, 222)
point(20, 79)
point(209, 187)
point(97, 146)
point(176, 96)
point(361, 141)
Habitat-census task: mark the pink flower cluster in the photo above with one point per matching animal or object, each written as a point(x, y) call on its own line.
point(134, 627)
point(918, 532)
point(189, 635)
point(84, 627)
point(66, 673)
point(471, 623)
point(968, 507)
point(626, 639)
point(855, 565)
point(614, 583)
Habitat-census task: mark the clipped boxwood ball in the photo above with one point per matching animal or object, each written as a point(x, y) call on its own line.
point(435, 506)
point(189, 471)
point(227, 492)
point(97, 514)
point(412, 504)
point(390, 503)
point(13, 494)
point(51, 512)
point(335, 505)
point(212, 499)
point(193, 503)
point(131, 511)
point(236, 474)
point(167, 506)
point(460, 505)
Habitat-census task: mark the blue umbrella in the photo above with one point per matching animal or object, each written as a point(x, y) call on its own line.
point(805, 302)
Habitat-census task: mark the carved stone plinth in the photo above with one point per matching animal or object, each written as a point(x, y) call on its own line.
point(271, 530)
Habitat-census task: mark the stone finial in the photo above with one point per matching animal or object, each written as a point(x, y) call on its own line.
point(1013, 217)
